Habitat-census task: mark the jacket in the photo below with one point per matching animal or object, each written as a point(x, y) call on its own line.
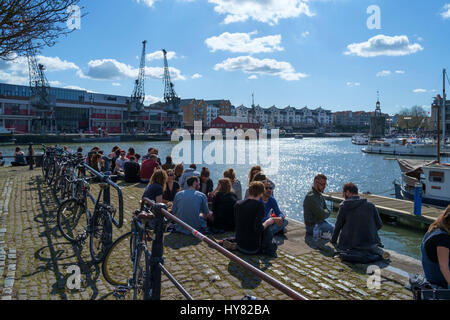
point(314, 208)
point(357, 225)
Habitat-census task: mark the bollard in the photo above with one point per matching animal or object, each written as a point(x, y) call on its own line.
point(418, 199)
point(31, 156)
point(157, 253)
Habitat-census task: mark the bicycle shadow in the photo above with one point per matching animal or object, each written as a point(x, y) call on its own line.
point(57, 256)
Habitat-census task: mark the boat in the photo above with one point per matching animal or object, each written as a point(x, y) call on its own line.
point(360, 140)
point(6, 136)
point(402, 147)
point(434, 177)
point(298, 136)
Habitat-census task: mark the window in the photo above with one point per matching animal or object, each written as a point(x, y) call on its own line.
point(437, 176)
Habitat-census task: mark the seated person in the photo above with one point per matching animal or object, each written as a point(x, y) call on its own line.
point(252, 234)
point(19, 158)
point(357, 227)
point(120, 164)
point(435, 251)
point(315, 209)
point(169, 164)
point(191, 206)
point(172, 187)
point(147, 168)
point(222, 218)
point(206, 184)
point(131, 170)
point(189, 172)
point(155, 189)
point(271, 209)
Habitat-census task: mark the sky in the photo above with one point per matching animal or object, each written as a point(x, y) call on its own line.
point(335, 54)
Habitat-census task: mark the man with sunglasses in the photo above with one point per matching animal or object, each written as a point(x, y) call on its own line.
point(315, 210)
point(272, 210)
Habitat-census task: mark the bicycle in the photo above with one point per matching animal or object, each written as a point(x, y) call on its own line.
point(96, 226)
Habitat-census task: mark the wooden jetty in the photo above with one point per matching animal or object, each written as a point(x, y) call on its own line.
point(400, 211)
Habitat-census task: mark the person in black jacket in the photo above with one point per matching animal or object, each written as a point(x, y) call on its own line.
point(223, 207)
point(131, 169)
point(252, 235)
point(206, 184)
point(357, 228)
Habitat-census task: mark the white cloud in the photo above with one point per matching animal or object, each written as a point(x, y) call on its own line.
point(148, 3)
point(149, 99)
point(243, 43)
point(253, 77)
point(55, 83)
point(382, 45)
point(400, 72)
point(446, 11)
point(353, 84)
point(196, 76)
point(158, 55)
point(254, 66)
point(267, 11)
point(111, 69)
point(384, 73)
point(116, 84)
point(305, 34)
point(75, 88)
point(419, 90)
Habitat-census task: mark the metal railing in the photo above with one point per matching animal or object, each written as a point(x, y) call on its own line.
point(159, 210)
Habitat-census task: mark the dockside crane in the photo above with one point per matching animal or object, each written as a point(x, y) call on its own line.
point(136, 104)
point(171, 99)
point(40, 97)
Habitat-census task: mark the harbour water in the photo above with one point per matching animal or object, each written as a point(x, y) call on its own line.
point(299, 162)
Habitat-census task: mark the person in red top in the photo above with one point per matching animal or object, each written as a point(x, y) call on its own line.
point(147, 168)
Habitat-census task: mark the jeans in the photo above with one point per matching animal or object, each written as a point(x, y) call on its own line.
point(324, 227)
point(275, 228)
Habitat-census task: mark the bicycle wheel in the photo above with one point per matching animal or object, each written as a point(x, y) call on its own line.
point(100, 234)
point(141, 275)
point(70, 219)
point(60, 189)
point(117, 267)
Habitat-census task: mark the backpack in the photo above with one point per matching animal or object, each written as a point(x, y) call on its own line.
point(424, 290)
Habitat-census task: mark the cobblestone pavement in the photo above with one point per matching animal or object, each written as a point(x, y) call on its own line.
point(34, 258)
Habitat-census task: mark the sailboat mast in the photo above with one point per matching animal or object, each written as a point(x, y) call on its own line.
point(444, 105)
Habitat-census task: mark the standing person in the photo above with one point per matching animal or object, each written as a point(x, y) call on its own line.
point(179, 169)
point(252, 234)
point(357, 228)
point(206, 184)
point(172, 187)
point(271, 209)
point(169, 164)
point(435, 250)
point(131, 153)
point(191, 206)
point(315, 209)
point(155, 189)
point(131, 171)
point(222, 218)
point(147, 168)
point(19, 158)
point(235, 183)
point(189, 172)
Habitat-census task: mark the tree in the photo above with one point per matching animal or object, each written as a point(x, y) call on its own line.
point(413, 118)
point(32, 24)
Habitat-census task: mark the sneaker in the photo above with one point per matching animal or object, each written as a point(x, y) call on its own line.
point(386, 255)
point(326, 236)
point(229, 245)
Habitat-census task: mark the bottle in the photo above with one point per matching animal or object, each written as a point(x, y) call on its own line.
point(316, 232)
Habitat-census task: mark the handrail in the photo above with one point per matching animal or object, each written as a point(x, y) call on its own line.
point(272, 281)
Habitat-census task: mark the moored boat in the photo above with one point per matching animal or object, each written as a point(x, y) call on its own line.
point(402, 147)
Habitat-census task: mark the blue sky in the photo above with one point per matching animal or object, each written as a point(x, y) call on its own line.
point(288, 52)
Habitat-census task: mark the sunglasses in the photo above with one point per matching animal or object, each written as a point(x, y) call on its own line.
point(269, 188)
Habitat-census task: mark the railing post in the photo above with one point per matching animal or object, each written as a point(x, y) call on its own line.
point(157, 252)
point(107, 195)
point(418, 199)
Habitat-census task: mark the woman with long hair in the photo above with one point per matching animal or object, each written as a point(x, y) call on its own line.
point(235, 183)
point(155, 188)
point(253, 171)
point(435, 250)
point(131, 153)
point(223, 203)
point(179, 169)
point(172, 187)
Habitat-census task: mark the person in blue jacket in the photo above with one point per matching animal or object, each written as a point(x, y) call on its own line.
point(272, 209)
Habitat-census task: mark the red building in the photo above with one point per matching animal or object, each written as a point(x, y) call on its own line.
point(229, 122)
